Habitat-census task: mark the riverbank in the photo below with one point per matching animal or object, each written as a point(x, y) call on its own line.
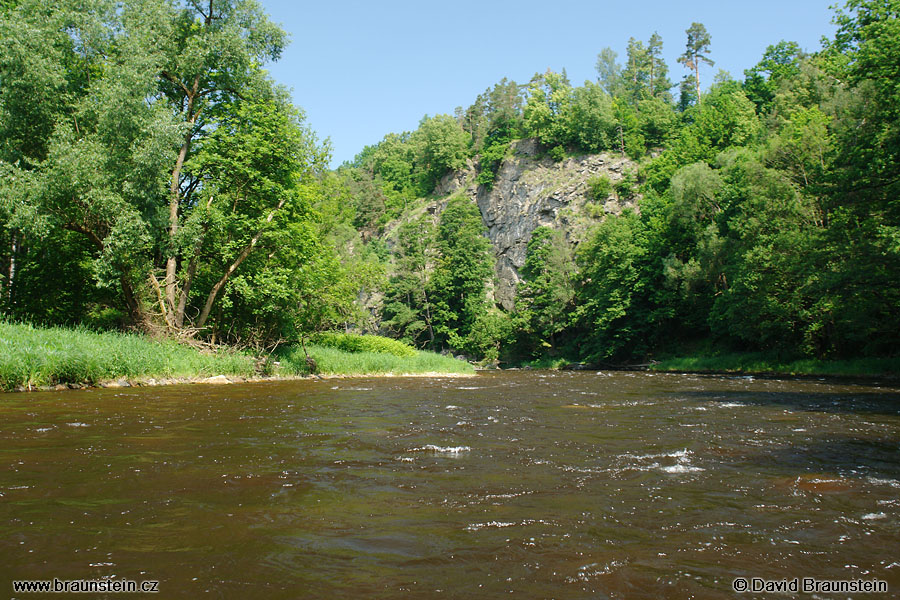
point(60, 358)
point(761, 364)
point(736, 363)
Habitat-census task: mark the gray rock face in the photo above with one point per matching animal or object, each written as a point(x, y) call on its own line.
point(530, 192)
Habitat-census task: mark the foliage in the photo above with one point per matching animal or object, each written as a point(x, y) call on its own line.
point(464, 263)
point(151, 175)
point(695, 52)
point(780, 63)
point(610, 264)
point(544, 300)
point(599, 188)
point(764, 363)
point(491, 332)
point(351, 342)
point(492, 155)
point(408, 309)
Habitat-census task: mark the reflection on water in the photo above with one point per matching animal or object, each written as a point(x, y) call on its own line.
point(546, 485)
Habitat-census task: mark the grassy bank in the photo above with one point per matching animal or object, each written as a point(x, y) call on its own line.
point(759, 363)
point(333, 361)
point(33, 356)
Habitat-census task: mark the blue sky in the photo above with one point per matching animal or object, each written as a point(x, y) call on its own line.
point(363, 69)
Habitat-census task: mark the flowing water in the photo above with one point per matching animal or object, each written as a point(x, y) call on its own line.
point(511, 484)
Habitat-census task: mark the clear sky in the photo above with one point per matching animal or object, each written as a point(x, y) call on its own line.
point(361, 70)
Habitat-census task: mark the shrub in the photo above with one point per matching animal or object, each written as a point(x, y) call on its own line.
point(558, 153)
point(626, 187)
point(599, 188)
point(351, 342)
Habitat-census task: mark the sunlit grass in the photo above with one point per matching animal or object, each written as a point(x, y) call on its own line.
point(331, 361)
point(35, 356)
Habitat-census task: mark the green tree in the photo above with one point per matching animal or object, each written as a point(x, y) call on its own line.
point(210, 58)
point(861, 207)
point(160, 140)
point(589, 120)
point(549, 98)
point(658, 70)
point(464, 264)
point(609, 72)
point(545, 298)
point(780, 62)
point(408, 307)
point(612, 263)
point(440, 145)
point(636, 74)
point(257, 169)
point(695, 52)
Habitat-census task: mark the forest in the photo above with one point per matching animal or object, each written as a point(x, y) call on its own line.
point(154, 178)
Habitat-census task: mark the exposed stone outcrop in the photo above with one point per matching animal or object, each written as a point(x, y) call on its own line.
point(530, 191)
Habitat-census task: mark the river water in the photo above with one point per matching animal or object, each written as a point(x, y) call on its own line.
point(508, 484)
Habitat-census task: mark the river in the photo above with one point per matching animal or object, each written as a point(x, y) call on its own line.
point(520, 484)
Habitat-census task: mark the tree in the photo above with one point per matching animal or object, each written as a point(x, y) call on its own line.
point(695, 52)
point(589, 120)
point(659, 72)
point(609, 72)
point(636, 75)
point(439, 145)
point(157, 138)
point(861, 203)
point(408, 306)
point(610, 298)
point(212, 57)
point(464, 263)
point(550, 95)
point(780, 62)
point(254, 168)
point(544, 299)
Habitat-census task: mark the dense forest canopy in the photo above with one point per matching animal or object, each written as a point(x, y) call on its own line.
point(153, 176)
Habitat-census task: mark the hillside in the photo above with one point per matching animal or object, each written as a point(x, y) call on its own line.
point(631, 216)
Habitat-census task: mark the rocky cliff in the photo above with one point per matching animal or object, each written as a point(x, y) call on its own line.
point(531, 191)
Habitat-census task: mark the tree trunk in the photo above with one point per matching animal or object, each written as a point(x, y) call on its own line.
point(174, 201)
point(12, 266)
point(697, 77)
point(135, 313)
point(175, 196)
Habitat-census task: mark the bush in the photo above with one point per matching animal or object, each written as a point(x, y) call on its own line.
point(333, 361)
point(626, 187)
point(558, 153)
point(351, 342)
point(599, 188)
point(491, 159)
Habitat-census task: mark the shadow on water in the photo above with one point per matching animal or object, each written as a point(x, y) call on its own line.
point(875, 403)
point(847, 456)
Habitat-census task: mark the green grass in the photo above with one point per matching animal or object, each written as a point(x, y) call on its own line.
point(33, 356)
point(755, 362)
point(332, 361)
point(36, 356)
point(350, 342)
